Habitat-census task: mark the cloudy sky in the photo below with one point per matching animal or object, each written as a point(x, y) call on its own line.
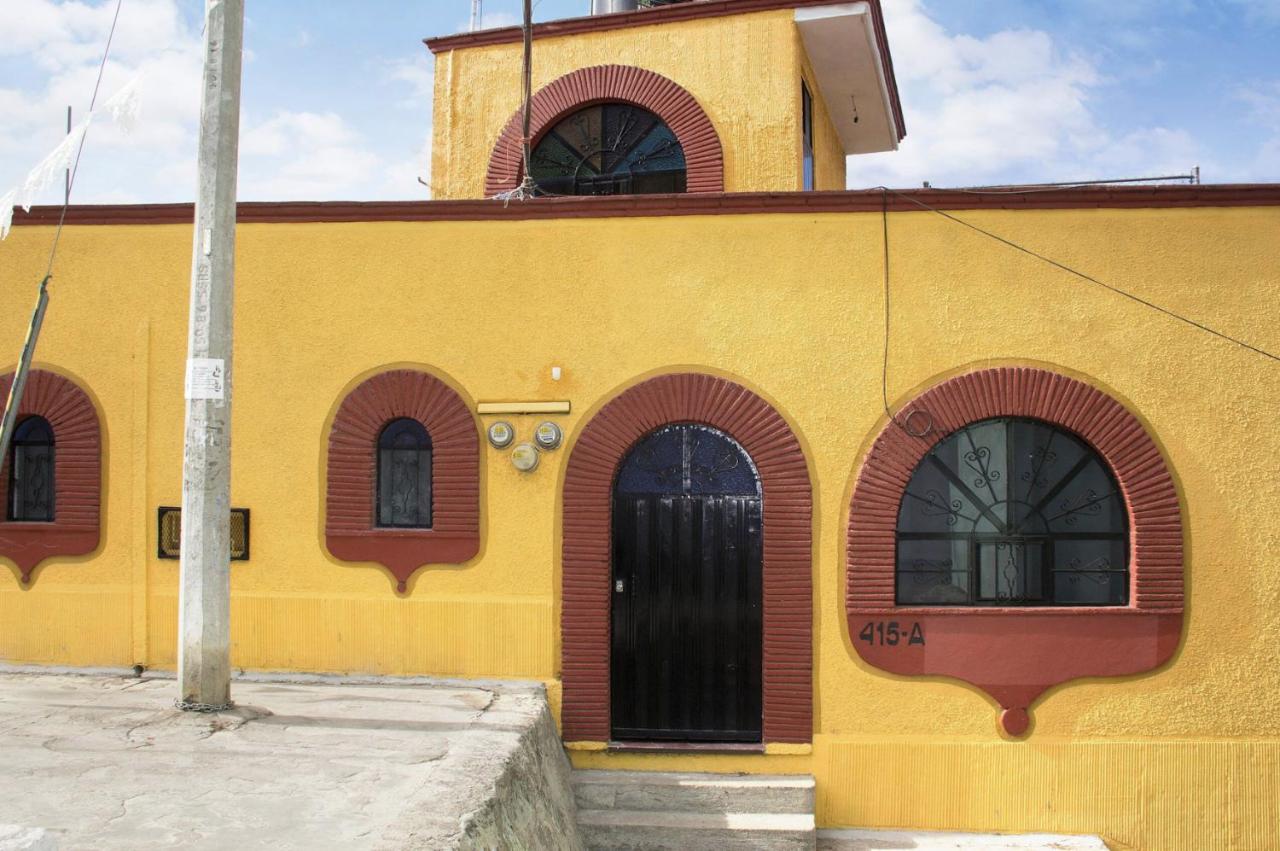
point(337, 96)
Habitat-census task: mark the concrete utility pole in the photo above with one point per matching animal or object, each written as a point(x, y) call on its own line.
point(477, 14)
point(204, 631)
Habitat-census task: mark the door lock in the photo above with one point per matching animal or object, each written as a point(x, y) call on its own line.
point(619, 586)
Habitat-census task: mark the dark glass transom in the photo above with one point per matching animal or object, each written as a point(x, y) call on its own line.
point(687, 459)
point(609, 149)
point(31, 471)
point(1012, 512)
point(404, 475)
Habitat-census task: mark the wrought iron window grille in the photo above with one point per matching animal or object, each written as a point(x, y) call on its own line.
point(609, 149)
point(31, 471)
point(1012, 512)
point(404, 475)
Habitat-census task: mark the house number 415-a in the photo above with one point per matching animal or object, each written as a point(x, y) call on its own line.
point(891, 634)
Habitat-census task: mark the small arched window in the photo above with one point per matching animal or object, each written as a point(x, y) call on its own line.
point(609, 149)
point(1012, 512)
point(31, 471)
point(404, 475)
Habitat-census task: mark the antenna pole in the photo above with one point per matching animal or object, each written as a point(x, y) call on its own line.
point(477, 14)
point(204, 604)
point(66, 193)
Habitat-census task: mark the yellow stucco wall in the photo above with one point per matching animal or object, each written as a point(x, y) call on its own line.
point(743, 70)
point(790, 305)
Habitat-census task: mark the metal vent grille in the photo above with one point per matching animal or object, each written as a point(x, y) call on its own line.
point(170, 533)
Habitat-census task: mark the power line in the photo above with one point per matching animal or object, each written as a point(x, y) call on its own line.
point(75, 167)
point(42, 298)
point(905, 423)
point(1063, 267)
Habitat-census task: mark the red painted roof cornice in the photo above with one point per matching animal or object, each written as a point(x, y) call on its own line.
point(703, 204)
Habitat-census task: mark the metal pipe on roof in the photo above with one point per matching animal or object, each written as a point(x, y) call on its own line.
point(608, 7)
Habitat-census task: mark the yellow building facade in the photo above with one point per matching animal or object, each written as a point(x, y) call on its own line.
point(566, 310)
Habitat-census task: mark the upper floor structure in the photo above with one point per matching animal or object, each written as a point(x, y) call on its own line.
point(698, 96)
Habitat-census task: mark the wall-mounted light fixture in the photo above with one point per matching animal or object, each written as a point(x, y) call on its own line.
point(548, 435)
point(501, 434)
point(525, 457)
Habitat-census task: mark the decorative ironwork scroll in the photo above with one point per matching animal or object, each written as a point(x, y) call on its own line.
point(609, 149)
point(1021, 512)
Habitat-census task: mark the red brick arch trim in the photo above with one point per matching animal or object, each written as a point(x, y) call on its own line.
point(350, 530)
point(788, 565)
point(704, 158)
point(77, 474)
point(1015, 654)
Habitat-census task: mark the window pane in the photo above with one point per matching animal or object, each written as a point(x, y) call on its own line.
point(609, 149)
point(1026, 508)
point(1011, 571)
point(31, 468)
point(806, 131)
point(404, 475)
point(688, 459)
point(1090, 573)
point(932, 572)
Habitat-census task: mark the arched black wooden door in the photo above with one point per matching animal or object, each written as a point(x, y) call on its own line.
point(687, 590)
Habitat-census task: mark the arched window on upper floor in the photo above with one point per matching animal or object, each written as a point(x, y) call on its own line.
point(609, 149)
point(404, 475)
point(31, 493)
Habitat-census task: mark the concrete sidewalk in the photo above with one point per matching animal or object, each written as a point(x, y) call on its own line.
point(101, 762)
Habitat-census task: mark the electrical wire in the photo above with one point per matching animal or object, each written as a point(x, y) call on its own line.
point(527, 188)
point(1061, 266)
point(904, 423)
point(75, 167)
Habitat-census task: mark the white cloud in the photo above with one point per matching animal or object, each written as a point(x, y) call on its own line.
point(64, 41)
point(418, 74)
point(402, 177)
point(1013, 106)
point(1264, 109)
point(289, 155)
point(303, 156)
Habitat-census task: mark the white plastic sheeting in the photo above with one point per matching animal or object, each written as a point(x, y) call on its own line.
point(122, 109)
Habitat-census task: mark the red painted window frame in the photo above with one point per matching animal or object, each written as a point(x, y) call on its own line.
point(77, 475)
point(704, 158)
point(586, 561)
point(1016, 654)
point(351, 530)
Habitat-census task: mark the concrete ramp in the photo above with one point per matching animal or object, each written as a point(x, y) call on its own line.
point(107, 763)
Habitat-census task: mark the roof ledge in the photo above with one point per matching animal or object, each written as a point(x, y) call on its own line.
point(849, 53)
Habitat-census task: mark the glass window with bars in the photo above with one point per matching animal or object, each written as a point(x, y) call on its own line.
point(404, 475)
point(31, 493)
point(609, 149)
point(1012, 512)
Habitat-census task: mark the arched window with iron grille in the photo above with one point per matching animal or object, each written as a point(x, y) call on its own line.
point(609, 149)
point(404, 475)
point(1012, 511)
point(31, 494)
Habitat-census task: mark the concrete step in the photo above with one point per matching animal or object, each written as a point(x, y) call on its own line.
point(667, 792)
point(646, 830)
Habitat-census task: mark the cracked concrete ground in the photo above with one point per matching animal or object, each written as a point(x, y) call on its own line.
point(102, 762)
